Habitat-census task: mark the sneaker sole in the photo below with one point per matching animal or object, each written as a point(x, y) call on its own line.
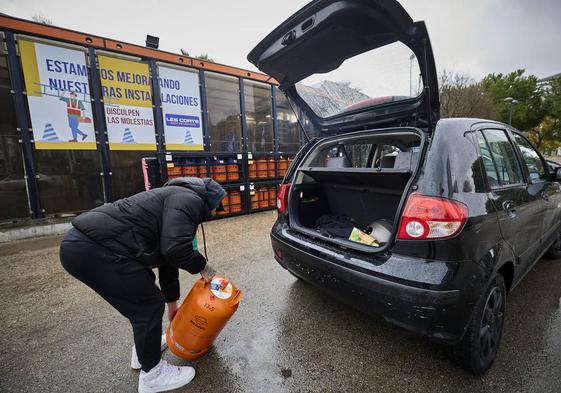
point(168, 388)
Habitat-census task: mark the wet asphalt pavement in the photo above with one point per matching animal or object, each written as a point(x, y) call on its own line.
point(287, 336)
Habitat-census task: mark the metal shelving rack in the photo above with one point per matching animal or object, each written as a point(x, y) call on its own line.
point(92, 46)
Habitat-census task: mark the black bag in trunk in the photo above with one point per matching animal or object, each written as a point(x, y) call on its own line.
point(335, 225)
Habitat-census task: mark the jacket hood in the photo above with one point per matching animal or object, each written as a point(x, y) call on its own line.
point(210, 191)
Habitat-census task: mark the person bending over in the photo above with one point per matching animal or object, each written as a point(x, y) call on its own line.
point(113, 249)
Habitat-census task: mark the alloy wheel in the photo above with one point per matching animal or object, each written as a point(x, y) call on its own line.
point(491, 326)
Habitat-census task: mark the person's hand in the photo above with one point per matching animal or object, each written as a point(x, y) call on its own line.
point(207, 273)
point(172, 310)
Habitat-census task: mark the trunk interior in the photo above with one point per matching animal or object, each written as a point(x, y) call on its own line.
point(358, 181)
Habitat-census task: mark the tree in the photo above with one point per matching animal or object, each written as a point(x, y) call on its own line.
point(39, 18)
point(553, 96)
point(529, 112)
point(204, 57)
point(538, 111)
point(462, 96)
point(546, 135)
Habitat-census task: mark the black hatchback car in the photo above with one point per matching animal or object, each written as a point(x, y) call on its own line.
point(429, 222)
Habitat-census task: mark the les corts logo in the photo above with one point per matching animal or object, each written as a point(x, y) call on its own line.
point(182, 121)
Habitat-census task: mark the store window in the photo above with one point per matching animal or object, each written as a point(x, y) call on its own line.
point(13, 192)
point(258, 116)
point(127, 178)
point(223, 107)
point(59, 105)
point(69, 180)
point(288, 130)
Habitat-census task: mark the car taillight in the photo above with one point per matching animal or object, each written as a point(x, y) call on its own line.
point(426, 217)
point(282, 197)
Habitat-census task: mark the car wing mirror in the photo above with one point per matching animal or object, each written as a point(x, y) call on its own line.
point(558, 174)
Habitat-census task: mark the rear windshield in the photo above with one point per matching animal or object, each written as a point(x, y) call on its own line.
point(383, 75)
point(396, 151)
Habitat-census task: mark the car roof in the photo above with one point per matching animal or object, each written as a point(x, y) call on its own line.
point(471, 122)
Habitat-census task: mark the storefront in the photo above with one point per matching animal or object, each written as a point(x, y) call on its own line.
point(80, 112)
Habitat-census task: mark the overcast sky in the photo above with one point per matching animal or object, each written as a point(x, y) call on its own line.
point(477, 37)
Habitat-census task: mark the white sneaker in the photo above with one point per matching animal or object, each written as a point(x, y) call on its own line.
point(135, 363)
point(164, 377)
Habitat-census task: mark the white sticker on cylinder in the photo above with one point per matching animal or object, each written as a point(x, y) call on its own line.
point(216, 288)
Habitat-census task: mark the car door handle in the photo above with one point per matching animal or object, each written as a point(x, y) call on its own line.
point(510, 208)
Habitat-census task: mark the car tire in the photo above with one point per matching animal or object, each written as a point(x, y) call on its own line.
point(478, 349)
point(554, 252)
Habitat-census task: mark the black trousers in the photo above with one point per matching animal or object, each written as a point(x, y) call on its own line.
point(126, 284)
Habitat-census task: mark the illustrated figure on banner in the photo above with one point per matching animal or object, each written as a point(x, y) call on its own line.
point(75, 112)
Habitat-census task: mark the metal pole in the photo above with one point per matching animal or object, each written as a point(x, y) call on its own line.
point(158, 120)
point(23, 127)
point(204, 110)
point(100, 126)
point(245, 147)
point(274, 115)
point(245, 140)
point(510, 114)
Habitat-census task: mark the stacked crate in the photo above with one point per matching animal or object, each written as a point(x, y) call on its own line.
point(232, 203)
point(251, 185)
point(186, 168)
point(225, 170)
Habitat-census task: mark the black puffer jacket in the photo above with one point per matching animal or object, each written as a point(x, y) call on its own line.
point(156, 227)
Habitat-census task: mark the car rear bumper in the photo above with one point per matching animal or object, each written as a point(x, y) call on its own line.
point(436, 300)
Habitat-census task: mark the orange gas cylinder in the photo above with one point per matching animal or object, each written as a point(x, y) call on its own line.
point(190, 171)
point(235, 200)
point(263, 197)
point(218, 172)
point(252, 169)
point(202, 315)
point(201, 171)
point(225, 205)
point(271, 167)
point(283, 166)
point(262, 168)
point(272, 196)
point(175, 171)
point(233, 172)
point(254, 199)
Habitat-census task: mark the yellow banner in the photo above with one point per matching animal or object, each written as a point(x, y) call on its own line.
point(183, 147)
point(30, 69)
point(58, 96)
point(133, 146)
point(125, 82)
point(65, 145)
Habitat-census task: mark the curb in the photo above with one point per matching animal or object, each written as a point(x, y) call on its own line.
point(33, 231)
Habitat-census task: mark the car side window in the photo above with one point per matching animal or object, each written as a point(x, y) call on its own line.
point(386, 156)
point(343, 156)
point(499, 158)
point(359, 154)
point(488, 165)
point(531, 157)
